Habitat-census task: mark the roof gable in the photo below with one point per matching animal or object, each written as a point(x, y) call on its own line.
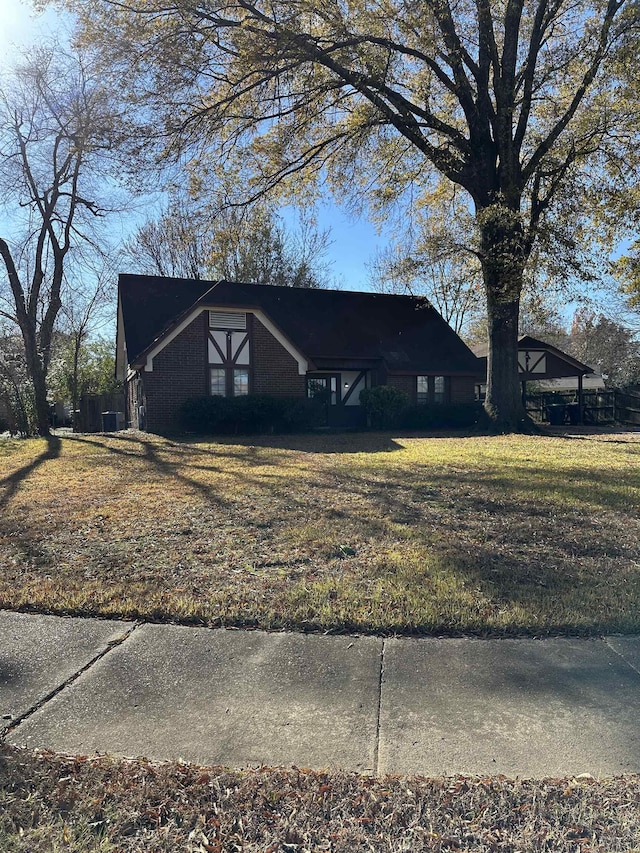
point(527, 342)
point(150, 305)
point(405, 332)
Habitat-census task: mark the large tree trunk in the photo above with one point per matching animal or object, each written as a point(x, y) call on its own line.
point(39, 379)
point(503, 260)
point(503, 402)
point(37, 375)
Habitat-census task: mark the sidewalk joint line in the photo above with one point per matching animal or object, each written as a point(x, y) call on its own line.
point(620, 655)
point(376, 752)
point(112, 644)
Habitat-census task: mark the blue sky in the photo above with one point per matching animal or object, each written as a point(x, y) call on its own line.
point(353, 241)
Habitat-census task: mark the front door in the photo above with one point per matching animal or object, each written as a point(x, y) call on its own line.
point(324, 390)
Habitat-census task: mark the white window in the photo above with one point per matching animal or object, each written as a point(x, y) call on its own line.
point(219, 381)
point(240, 382)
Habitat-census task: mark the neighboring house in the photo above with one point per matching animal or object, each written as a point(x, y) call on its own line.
point(179, 338)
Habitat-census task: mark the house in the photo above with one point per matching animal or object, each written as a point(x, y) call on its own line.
point(180, 338)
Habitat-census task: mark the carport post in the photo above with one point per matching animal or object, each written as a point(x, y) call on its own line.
point(580, 403)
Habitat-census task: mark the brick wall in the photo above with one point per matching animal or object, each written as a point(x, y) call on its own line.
point(179, 373)
point(273, 369)
point(404, 383)
point(463, 389)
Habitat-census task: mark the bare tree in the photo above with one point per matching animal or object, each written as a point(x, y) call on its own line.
point(87, 307)
point(436, 257)
point(223, 241)
point(55, 128)
point(607, 346)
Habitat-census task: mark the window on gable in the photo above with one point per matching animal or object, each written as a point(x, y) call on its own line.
point(229, 353)
point(218, 382)
point(240, 382)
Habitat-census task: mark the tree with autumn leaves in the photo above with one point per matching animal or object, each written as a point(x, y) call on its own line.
point(525, 107)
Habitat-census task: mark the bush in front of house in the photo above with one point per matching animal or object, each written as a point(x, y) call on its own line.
point(248, 415)
point(444, 416)
point(384, 406)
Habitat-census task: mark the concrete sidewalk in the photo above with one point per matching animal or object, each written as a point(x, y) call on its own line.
point(528, 708)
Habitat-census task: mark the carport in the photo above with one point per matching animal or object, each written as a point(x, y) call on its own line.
point(538, 361)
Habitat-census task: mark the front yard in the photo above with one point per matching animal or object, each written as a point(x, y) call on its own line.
point(382, 533)
point(373, 532)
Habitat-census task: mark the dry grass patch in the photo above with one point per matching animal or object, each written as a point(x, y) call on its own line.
point(375, 532)
point(100, 805)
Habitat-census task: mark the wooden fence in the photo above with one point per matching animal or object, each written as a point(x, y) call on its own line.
point(89, 416)
point(599, 407)
point(627, 405)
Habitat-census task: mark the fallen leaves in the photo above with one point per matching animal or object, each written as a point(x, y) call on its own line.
point(141, 807)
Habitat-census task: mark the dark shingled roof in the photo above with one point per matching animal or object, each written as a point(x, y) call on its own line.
point(325, 325)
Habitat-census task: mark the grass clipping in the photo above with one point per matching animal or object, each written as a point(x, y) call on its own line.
point(50, 802)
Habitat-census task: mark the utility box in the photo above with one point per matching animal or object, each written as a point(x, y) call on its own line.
point(557, 414)
point(112, 421)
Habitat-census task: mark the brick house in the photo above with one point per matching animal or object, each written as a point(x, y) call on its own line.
point(180, 338)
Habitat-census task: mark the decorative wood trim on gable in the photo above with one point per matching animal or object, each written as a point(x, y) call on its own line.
point(532, 361)
point(302, 362)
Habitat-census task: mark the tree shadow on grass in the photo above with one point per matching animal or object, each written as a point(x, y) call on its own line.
point(11, 483)
point(318, 442)
point(152, 453)
point(557, 563)
point(520, 537)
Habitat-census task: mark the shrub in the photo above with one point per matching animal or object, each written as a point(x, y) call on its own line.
point(444, 416)
point(384, 405)
point(248, 415)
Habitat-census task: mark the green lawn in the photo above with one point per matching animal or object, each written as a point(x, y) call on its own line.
point(372, 532)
